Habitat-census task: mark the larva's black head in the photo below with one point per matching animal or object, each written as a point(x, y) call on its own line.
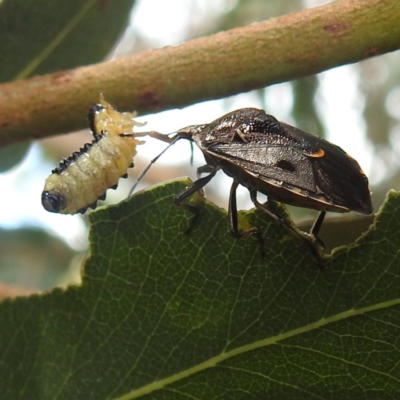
point(95, 109)
point(53, 202)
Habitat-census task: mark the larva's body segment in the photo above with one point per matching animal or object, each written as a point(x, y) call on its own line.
point(83, 178)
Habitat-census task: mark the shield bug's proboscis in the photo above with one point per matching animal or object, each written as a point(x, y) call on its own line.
point(282, 162)
point(84, 177)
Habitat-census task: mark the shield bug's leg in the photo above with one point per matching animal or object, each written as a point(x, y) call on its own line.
point(317, 226)
point(277, 218)
point(205, 169)
point(232, 211)
point(193, 188)
point(290, 228)
point(233, 219)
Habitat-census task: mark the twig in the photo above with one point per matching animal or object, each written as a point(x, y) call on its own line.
point(217, 66)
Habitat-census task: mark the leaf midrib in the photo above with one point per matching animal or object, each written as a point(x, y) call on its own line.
point(212, 362)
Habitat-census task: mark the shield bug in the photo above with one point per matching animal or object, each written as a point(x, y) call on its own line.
point(84, 177)
point(280, 161)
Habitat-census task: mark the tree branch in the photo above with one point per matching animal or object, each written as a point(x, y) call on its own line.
point(217, 66)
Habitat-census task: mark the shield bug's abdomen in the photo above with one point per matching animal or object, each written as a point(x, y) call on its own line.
point(83, 178)
point(284, 163)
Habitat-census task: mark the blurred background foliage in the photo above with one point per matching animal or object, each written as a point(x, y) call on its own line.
point(40, 250)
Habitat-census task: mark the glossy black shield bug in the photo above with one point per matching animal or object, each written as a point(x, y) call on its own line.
point(84, 177)
point(280, 161)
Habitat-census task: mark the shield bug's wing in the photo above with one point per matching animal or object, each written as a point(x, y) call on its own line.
point(337, 175)
point(84, 177)
point(280, 164)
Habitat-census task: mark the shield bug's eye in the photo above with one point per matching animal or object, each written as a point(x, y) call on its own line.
point(280, 161)
point(84, 177)
point(52, 202)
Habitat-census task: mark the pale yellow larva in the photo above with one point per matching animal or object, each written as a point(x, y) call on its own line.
point(84, 177)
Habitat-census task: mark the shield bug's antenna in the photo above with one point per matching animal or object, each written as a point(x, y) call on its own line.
point(164, 138)
point(185, 133)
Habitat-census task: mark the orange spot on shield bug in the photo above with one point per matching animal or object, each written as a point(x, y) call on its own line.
point(318, 154)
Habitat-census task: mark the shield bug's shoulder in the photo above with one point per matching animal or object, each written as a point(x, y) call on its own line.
point(84, 177)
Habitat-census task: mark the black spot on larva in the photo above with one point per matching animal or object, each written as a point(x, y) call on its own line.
point(66, 162)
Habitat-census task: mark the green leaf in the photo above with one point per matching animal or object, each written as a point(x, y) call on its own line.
point(41, 36)
point(164, 315)
point(12, 155)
